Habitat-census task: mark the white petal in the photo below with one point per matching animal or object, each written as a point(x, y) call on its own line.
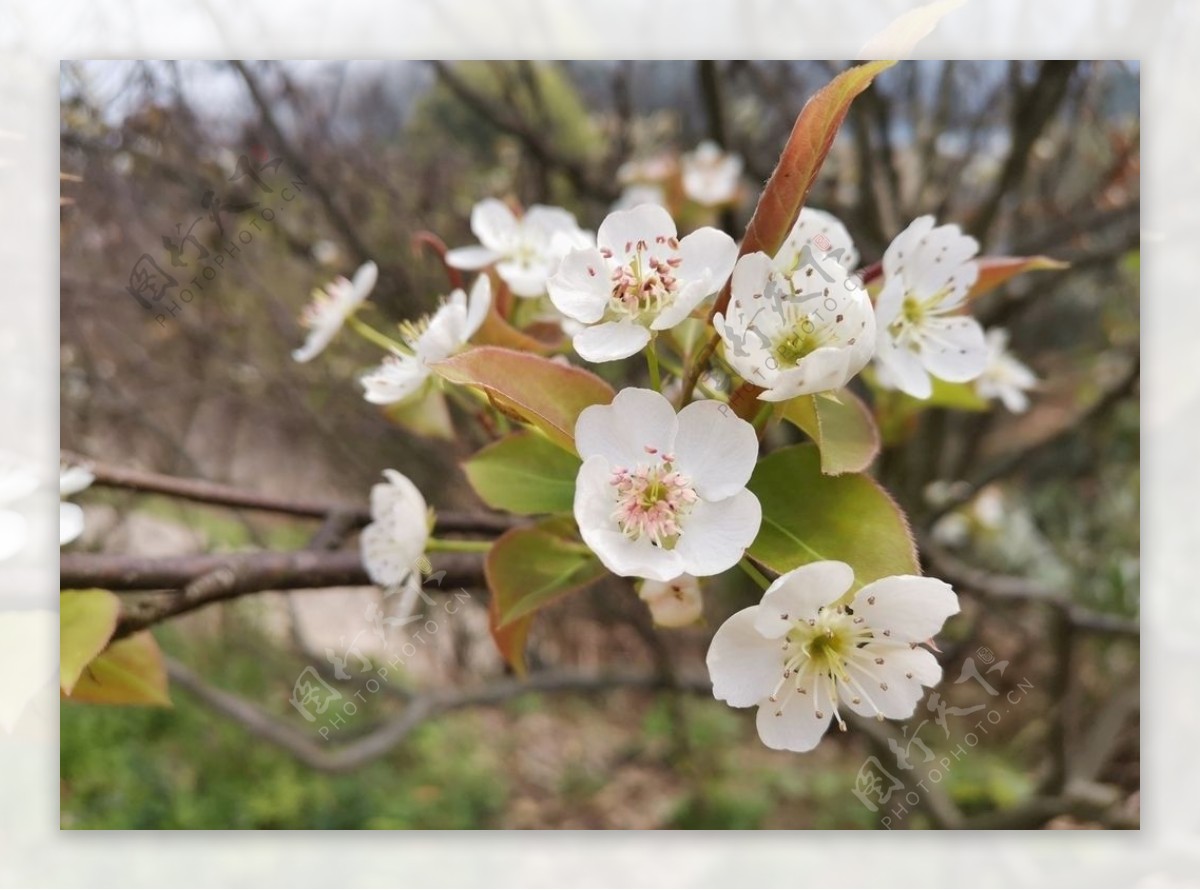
point(717, 533)
point(471, 258)
point(525, 280)
point(394, 542)
point(744, 666)
point(911, 607)
point(623, 229)
point(581, 289)
point(72, 480)
point(900, 252)
point(686, 300)
point(889, 302)
point(364, 281)
point(715, 448)
point(621, 431)
point(399, 377)
point(14, 532)
point(494, 225)
point(811, 223)
point(953, 348)
point(611, 341)
point(792, 724)
point(674, 603)
point(318, 338)
point(708, 255)
point(478, 304)
point(70, 523)
point(446, 333)
point(902, 369)
point(822, 370)
point(798, 595)
point(551, 220)
point(902, 693)
point(944, 253)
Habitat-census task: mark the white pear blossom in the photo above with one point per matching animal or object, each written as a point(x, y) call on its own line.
point(796, 327)
point(526, 250)
point(710, 175)
point(431, 339)
point(640, 278)
point(803, 652)
point(393, 545)
point(330, 308)
point(674, 603)
point(660, 494)
point(1005, 377)
point(654, 169)
point(927, 273)
point(71, 481)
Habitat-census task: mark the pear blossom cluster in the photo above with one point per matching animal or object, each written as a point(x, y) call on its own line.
point(661, 493)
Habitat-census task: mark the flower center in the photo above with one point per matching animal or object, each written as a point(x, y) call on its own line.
point(652, 499)
point(646, 284)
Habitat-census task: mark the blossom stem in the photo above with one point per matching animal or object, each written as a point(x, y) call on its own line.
point(750, 569)
point(442, 545)
point(652, 361)
point(368, 333)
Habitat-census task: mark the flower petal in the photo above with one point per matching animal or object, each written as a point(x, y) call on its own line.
point(524, 279)
point(798, 594)
point(709, 256)
point(611, 341)
point(715, 448)
point(743, 665)
point(471, 258)
point(953, 348)
point(674, 603)
point(901, 369)
point(70, 523)
point(912, 608)
point(811, 223)
point(621, 431)
point(623, 229)
point(494, 225)
point(364, 281)
point(900, 252)
point(478, 305)
point(581, 289)
point(717, 533)
point(792, 724)
point(399, 377)
point(891, 689)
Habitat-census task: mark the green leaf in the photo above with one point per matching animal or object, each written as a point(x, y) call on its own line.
point(808, 517)
point(527, 569)
point(995, 270)
point(844, 430)
point(87, 619)
point(530, 388)
point(129, 672)
point(524, 473)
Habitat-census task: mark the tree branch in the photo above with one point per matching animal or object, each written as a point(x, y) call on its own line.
point(205, 492)
point(375, 744)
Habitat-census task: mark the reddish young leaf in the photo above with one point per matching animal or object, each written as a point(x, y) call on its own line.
point(529, 388)
point(995, 270)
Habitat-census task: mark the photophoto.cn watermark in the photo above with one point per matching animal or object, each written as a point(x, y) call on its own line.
point(882, 791)
point(322, 703)
point(781, 293)
point(156, 287)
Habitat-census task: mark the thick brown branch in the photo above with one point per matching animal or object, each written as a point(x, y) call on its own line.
point(205, 492)
point(192, 582)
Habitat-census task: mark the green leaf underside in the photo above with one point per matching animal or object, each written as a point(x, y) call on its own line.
point(87, 619)
point(844, 430)
point(529, 388)
point(524, 473)
point(809, 516)
point(129, 672)
point(527, 569)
